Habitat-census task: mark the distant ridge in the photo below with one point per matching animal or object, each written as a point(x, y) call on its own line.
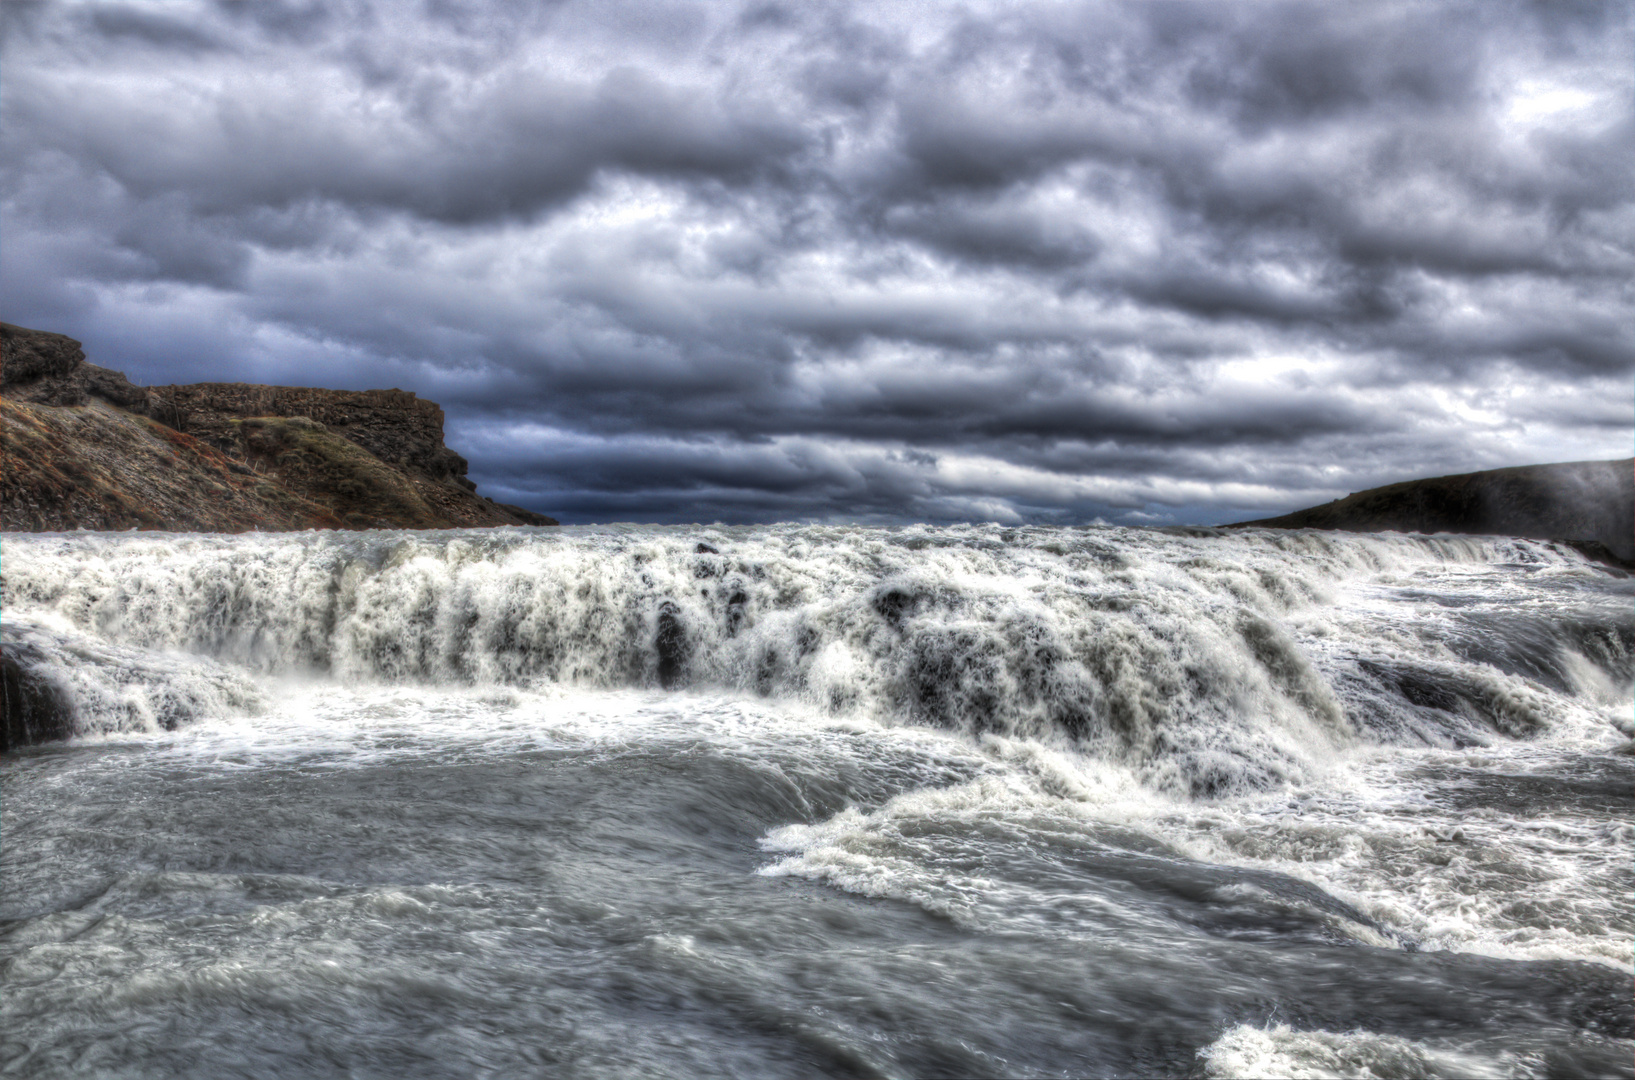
point(1589, 504)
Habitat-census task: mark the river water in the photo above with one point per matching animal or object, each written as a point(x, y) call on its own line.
point(817, 801)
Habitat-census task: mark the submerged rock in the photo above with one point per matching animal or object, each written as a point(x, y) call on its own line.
point(670, 643)
point(32, 709)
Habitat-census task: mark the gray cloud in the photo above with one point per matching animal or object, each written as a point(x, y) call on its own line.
point(1142, 262)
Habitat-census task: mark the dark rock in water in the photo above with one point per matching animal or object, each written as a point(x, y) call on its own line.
point(1589, 504)
point(895, 604)
point(705, 549)
point(735, 611)
point(34, 710)
point(671, 645)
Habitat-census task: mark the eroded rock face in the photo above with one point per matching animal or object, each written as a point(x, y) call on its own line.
point(41, 367)
point(394, 425)
point(86, 448)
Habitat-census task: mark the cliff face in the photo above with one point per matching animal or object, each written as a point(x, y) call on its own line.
point(85, 448)
point(42, 368)
point(1588, 503)
point(393, 425)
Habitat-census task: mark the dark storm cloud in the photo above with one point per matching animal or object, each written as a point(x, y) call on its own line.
point(146, 25)
point(1153, 261)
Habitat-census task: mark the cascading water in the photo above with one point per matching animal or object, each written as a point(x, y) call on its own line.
point(819, 800)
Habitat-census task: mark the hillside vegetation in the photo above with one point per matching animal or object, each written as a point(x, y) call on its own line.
point(87, 449)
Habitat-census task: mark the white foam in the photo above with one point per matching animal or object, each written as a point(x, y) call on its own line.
point(1186, 657)
point(1256, 1053)
point(1219, 694)
point(1382, 833)
point(114, 689)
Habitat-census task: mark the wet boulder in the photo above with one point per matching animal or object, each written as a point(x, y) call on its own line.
point(670, 643)
point(34, 709)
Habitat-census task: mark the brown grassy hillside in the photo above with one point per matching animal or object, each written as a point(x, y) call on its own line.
point(85, 448)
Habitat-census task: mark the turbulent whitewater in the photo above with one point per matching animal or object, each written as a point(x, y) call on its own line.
point(819, 801)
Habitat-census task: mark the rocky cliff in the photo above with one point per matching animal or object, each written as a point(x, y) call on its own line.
point(393, 425)
point(86, 448)
point(1590, 504)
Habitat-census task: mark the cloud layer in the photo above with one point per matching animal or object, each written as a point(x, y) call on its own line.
point(1024, 262)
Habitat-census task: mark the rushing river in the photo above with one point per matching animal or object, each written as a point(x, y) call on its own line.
point(819, 801)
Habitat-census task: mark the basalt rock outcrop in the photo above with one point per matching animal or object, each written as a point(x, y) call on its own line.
point(1587, 504)
point(33, 710)
point(86, 448)
point(42, 368)
point(394, 425)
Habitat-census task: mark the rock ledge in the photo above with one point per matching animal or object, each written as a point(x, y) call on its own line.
point(86, 448)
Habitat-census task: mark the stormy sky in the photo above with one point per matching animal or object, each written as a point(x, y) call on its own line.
point(687, 261)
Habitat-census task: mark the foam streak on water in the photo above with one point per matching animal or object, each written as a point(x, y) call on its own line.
point(819, 801)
